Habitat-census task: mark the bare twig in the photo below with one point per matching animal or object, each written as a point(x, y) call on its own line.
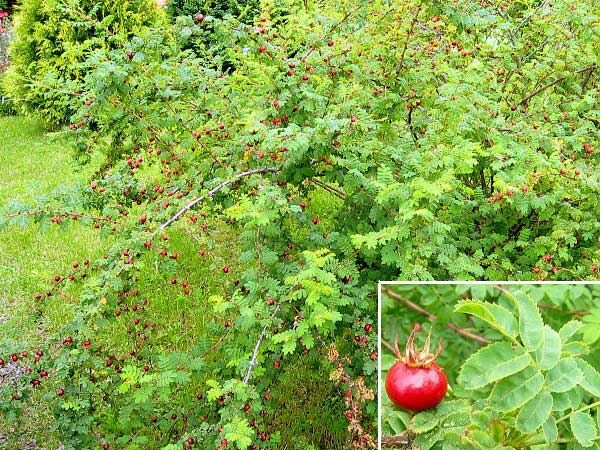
point(387, 345)
point(338, 193)
point(433, 317)
point(212, 192)
point(573, 313)
point(215, 345)
point(553, 82)
point(410, 33)
point(257, 346)
point(587, 78)
point(511, 33)
point(528, 16)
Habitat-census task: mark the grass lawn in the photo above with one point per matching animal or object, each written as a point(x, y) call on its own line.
point(34, 163)
point(37, 163)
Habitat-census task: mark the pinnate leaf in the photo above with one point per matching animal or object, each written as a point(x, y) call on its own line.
point(492, 363)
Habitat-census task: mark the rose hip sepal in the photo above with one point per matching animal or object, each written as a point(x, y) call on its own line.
point(415, 382)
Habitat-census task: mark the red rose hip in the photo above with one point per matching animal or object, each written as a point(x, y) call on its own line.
point(416, 382)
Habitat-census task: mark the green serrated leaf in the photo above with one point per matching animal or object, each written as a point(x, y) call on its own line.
point(424, 422)
point(567, 400)
point(591, 378)
point(548, 354)
point(531, 325)
point(569, 329)
point(495, 315)
point(575, 348)
point(583, 428)
point(513, 392)
point(482, 440)
point(492, 363)
point(550, 429)
point(447, 408)
point(426, 441)
point(591, 333)
point(564, 376)
point(535, 412)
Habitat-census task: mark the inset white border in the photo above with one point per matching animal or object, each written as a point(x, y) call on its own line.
point(392, 283)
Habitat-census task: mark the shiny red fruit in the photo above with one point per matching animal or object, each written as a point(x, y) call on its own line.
point(416, 388)
point(416, 382)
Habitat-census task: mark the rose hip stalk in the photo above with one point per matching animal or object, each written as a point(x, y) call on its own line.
point(416, 382)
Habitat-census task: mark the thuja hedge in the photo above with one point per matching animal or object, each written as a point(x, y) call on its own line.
point(52, 40)
point(219, 9)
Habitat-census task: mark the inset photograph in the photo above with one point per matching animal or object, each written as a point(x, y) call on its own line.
point(489, 366)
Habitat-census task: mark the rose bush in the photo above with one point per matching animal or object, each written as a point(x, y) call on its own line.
point(345, 144)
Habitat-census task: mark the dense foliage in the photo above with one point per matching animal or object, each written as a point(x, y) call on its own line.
point(242, 9)
point(53, 39)
point(348, 143)
point(522, 376)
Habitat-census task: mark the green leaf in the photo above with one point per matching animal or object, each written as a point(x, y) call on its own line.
point(591, 378)
point(448, 408)
point(564, 376)
point(481, 439)
point(516, 390)
point(492, 363)
point(495, 315)
point(238, 431)
point(497, 429)
point(569, 329)
point(583, 428)
point(426, 441)
point(531, 325)
point(548, 354)
point(567, 400)
point(575, 348)
point(535, 413)
point(550, 429)
point(397, 420)
point(591, 333)
point(424, 422)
